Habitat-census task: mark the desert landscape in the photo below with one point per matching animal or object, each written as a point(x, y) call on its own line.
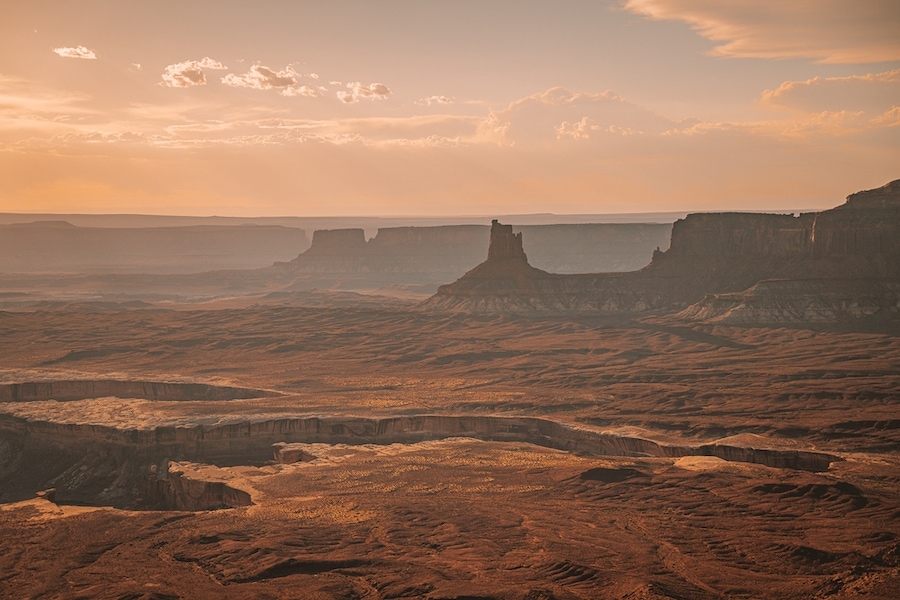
point(513, 436)
point(402, 300)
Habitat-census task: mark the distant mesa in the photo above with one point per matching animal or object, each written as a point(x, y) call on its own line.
point(839, 264)
point(430, 256)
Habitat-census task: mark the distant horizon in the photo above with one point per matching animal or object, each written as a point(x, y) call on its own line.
point(412, 216)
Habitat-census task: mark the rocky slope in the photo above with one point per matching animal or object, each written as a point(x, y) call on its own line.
point(843, 263)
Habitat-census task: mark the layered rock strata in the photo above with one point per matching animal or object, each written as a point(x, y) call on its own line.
point(442, 253)
point(844, 263)
point(80, 389)
point(106, 465)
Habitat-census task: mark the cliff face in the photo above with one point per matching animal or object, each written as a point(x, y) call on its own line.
point(98, 388)
point(429, 256)
point(723, 253)
point(337, 242)
point(126, 467)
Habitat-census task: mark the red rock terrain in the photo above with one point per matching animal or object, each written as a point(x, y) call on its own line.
point(840, 264)
point(372, 517)
point(721, 424)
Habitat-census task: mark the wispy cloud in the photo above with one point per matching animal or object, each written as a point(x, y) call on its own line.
point(559, 114)
point(831, 31)
point(189, 73)
point(431, 100)
point(373, 91)
point(29, 107)
point(76, 52)
point(303, 90)
point(873, 93)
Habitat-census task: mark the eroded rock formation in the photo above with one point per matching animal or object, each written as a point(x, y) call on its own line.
point(433, 255)
point(106, 465)
point(97, 388)
point(843, 263)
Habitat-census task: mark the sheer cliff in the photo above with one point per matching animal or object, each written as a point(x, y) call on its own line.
point(429, 256)
point(849, 255)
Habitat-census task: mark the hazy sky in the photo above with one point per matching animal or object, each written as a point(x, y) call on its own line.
point(425, 107)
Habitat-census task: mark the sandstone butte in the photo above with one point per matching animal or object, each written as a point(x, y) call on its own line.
point(827, 266)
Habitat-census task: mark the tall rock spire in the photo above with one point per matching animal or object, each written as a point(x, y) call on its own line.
point(504, 243)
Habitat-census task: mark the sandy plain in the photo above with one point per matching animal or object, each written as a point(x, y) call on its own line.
point(463, 517)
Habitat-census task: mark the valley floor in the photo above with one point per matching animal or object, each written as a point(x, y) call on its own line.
point(467, 518)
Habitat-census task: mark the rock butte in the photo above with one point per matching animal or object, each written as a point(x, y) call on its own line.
point(839, 264)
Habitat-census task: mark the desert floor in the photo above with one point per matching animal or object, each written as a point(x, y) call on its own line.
point(466, 518)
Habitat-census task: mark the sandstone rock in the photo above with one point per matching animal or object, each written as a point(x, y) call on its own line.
point(97, 388)
point(48, 494)
point(712, 255)
point(291, 453)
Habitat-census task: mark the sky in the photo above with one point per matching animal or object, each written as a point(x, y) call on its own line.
point(445, 107)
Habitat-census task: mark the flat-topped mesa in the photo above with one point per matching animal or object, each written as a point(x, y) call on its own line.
point(715, 254)
point(887, 196)
point(867, 225)
point(338, 242)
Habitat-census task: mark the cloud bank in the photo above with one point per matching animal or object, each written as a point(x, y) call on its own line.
point(830, 31)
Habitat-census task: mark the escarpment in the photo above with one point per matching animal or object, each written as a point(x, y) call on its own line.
point(843, 263)
point(79, 389)
point(433, 255)
point(102, 464)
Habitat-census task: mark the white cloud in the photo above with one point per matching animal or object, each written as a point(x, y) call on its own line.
point(136, 67)
point(303, 90)
point(586, 127)
point(831, 31)
point(430, 100)
point(374, 91)
point(580, 130)
point(260, 77)
point(189, 73)
point(76, 52)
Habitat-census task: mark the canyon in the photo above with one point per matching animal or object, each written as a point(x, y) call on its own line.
point(718, 419)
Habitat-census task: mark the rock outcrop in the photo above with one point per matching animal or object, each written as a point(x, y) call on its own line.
point(67, 390)
point(843, 263)
point(428, 256)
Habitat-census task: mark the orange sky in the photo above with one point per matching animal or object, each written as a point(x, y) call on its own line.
point(443, 108)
